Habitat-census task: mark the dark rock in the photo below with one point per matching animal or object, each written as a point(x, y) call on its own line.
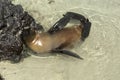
point(14, 24)
point(1, 78)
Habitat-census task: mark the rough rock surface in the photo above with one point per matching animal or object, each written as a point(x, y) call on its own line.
point(14, 22)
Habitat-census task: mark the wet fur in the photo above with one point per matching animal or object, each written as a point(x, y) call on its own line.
point(57, 38)
point(60, 39)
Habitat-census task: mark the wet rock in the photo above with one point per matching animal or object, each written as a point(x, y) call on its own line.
point(14, 24)
point(1, 78)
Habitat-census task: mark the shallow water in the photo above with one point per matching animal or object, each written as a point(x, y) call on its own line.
point(101, 50)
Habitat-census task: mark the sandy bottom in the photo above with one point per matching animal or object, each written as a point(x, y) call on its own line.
point(101, 50)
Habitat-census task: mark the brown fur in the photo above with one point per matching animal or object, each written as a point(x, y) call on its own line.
point(45, 42)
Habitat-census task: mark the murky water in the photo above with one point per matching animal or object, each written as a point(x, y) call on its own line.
point(101, 50)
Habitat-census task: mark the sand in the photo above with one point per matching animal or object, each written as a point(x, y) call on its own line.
point(101, 50)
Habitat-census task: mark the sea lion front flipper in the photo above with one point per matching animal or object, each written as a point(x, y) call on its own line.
point(61, 51)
